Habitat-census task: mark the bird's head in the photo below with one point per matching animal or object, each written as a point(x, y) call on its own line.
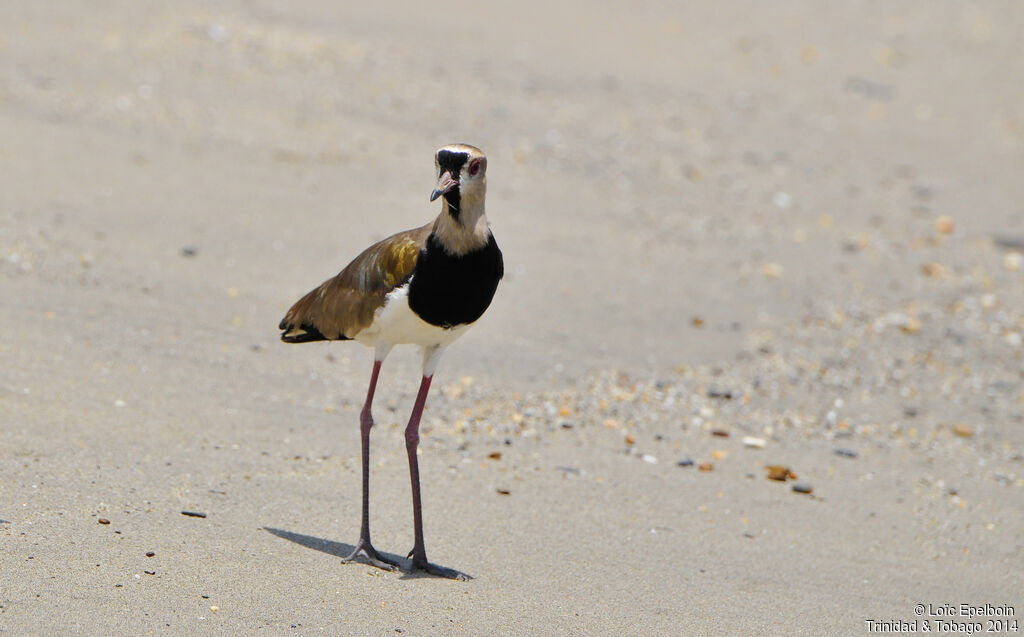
point(461, 178)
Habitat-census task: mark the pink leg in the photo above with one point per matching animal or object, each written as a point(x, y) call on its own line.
point(364, 547)
point(412, 440)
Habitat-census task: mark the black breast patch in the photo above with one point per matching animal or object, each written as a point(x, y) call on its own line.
point(451, 290)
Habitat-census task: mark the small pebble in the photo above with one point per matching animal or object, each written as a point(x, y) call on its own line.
point(706, 466)
point(945, 225)
point(1008, 241)
point(494, 455)
point(630, 439)
point(911, 326)
point(803, 488)
point(503, 491)
point(685, 462)
point(846, 453)
point(1013, 261)
point(194, 514)
point(103, 521)
point(189, 251)
point(754, 443)
point(649, 459)
point(779, 473)
point(149, 572)
point(720, 433)
point(963, 431)
point(150, 553)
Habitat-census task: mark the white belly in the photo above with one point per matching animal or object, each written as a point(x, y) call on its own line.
point(396, 324)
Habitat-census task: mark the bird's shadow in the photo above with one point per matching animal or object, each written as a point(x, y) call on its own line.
point(343, 550)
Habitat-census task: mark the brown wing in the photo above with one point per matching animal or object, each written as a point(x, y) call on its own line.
point(344, 306)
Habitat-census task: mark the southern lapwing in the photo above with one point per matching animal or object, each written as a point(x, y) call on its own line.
point(424, 287)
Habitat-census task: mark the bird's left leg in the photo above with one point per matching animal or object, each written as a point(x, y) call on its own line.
point(412, 439)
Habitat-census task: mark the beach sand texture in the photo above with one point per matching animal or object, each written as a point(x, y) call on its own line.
point(737, 236)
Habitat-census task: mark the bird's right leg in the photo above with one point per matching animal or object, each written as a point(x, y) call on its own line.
point(364, 548)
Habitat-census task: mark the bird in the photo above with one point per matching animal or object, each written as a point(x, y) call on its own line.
point(424, 287)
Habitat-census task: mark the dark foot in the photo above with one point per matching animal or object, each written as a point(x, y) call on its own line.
point(420, 563)
point(371, 556)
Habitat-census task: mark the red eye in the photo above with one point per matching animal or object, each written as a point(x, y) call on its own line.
point(474, 167)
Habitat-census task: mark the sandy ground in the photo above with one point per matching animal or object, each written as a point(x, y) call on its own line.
point(742, 236)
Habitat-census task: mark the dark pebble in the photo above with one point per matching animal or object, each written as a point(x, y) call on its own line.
point(504, 491)
point(923, 191)
point(103, 521)
point(869, 89)
point(846, 453)
point(150, 553)
point(685, 462)
point(720, 393)
point(1008, 241)
point(803, 488)
point(189, 251)
point(194, 514)
point(149, 572)
point(720, 433)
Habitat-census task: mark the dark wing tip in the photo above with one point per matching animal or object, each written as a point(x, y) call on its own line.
point(306, 334)
point(300, 334)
